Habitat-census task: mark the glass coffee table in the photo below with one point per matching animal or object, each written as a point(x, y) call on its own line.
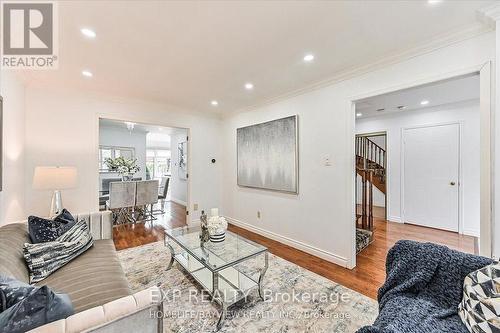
point(214, 265)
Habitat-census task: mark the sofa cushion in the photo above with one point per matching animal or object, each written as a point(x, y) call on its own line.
point(94, 278)
point(12, 239)
point(48, 230)
point(28, 306)
point(45, 258)
point(480, 307)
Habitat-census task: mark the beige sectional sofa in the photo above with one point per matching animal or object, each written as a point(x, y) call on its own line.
point(94, 281)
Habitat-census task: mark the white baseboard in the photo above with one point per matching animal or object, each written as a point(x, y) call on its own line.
point(470, 232)
point(180, 202)
point(328, 256)
point(394, 219)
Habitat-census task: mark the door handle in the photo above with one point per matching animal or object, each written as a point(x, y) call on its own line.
point(452, 183)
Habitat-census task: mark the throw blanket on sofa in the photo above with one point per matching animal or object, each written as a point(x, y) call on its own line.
point(423, 289)
point(44, 258)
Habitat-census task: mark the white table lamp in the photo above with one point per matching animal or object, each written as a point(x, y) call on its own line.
point(56, 179)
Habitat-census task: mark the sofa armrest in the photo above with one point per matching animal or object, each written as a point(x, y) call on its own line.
point(140, 312)
point(100, 224)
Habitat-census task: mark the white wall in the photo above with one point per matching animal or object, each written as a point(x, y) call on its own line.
point(73, 140)
point(465, 112)
point(12, 196)
point(178, 186)
point(112, 136)
point(319, 218)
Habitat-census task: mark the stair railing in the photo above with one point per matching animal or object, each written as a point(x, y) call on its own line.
point(366, 199)
point(370, 152)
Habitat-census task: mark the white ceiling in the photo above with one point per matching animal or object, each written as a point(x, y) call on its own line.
point(439, 93)
point(189, 53)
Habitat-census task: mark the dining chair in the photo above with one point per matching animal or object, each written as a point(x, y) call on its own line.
point(122, 200)
point(162, 194)
point(146, 197)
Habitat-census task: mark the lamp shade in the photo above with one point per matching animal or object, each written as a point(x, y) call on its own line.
point(54, 178)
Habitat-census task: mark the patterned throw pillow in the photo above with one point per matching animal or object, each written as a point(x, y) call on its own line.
point(45, 258)
point(480, 306)
point(3, 301)
point(45, 230)
point(30, 307)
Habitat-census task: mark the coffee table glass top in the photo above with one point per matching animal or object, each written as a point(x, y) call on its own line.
point(216, 256)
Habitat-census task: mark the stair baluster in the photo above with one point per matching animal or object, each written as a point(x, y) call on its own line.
point(370, 165)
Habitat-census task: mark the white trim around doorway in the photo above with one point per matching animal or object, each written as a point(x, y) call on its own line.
point(484, 70)
point(138, 120)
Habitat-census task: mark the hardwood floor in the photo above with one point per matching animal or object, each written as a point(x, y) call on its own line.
point(369, 273)
point(131, 235)
point(366, 278)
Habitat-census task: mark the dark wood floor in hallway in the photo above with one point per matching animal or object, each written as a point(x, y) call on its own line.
point(366, 278)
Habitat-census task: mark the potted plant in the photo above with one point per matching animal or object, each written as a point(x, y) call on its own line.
point(124, 166)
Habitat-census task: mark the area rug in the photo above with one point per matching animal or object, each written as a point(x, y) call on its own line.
point(363, 239)
point(296, 300)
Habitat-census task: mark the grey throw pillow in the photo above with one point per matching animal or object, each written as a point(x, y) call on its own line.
point(29, 307)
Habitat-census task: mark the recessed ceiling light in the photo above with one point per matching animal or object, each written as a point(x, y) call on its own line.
point(424, 102)
point(87, 73)
point(88, 33)
point(380, 110)
point(308, 57)
point(248, 86)
point(359, 114)
point(402, 107)
point(433, 2)
point(214, 103)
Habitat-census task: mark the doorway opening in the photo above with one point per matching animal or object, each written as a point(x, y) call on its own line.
point(143, 179)
point(371, 184)
point(418, 166)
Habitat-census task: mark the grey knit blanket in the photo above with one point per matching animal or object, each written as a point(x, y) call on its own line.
point(423, 289)
point(45, 258)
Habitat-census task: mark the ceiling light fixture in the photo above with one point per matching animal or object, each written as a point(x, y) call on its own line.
point(88, 33)
point(214, 103)
point(433, 2)
point(87, 73)
point(248, 86)
point(402, 107)
point(358, 114)
point(424, 102)
point(308, 58)
point(380, 110)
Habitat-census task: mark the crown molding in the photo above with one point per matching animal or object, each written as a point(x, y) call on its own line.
point(489, 15)
point(440, 42)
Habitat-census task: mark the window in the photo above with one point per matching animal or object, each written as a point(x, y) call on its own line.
point(157, 163)
point(113, 152)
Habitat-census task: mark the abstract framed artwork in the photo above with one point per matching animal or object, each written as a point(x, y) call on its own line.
point(183, 172)
point(267, 155)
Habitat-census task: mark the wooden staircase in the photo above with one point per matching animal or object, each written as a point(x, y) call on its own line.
point(371, 167)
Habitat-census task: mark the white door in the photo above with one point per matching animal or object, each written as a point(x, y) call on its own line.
point(431, 175)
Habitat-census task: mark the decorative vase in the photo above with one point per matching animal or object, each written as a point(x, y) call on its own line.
point(218, 237)
point(126, 177)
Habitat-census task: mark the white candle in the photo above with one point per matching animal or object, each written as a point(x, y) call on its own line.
point(214, 211)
